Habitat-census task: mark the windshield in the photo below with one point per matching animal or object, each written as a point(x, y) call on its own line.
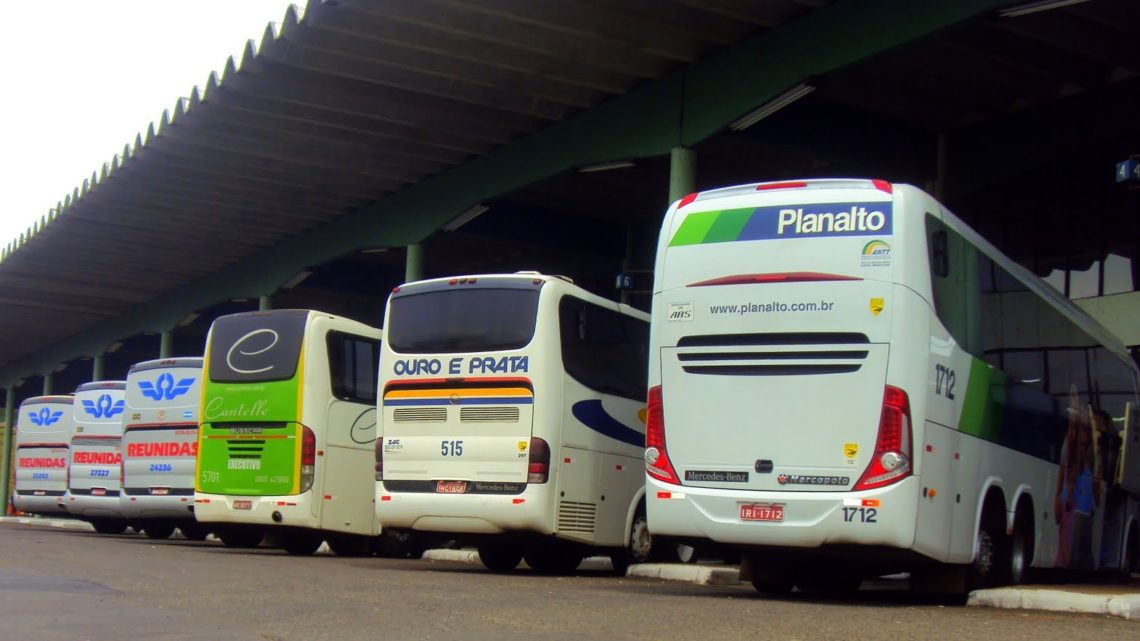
point(462, 320)
point(257, 346)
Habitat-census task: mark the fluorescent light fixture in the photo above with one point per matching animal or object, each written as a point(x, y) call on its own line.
point(1034, 7)
point(606, 166)
point(465, 217)
point(771, 107)
point(190, 318)
point(59, 368)
point(374, 250)
point(114, 347)
point(296, 279)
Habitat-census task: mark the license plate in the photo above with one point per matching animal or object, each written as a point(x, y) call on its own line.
point(98, 492)
point(39, 493)
point(451, 487)
point(243, 505)
point(762, 512)
point(160, 491)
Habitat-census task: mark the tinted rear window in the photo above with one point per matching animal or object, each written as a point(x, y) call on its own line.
point(259, 346)
point(462, 320)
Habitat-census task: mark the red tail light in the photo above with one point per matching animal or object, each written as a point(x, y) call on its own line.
point(538, 467)
point(379, 459)
point(308, 458)
point(657, 462)
point(891, 461)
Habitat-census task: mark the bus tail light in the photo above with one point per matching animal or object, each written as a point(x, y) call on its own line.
point(891, 461)
point(379, 459)
point(657, 462)
point(308, 458)
point(538, 467)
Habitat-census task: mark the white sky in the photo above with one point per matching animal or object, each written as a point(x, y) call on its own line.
point(81, 78)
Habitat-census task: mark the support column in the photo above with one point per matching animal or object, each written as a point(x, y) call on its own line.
point(166, 344)
point(47, 384)
point(264, 303)
point(98, 364)
point(414, 267)
point(6, 453)
point(943, 163)
point(682, 173)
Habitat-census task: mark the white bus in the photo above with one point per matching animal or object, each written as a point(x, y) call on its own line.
point(288, 420)
point(95, 474)
point(512, 417)
point(44, 426)
point(160, 444)
point(847, 381)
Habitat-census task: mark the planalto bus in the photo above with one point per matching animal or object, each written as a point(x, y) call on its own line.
point(160, 444)
point(95, 474)
point(512, 417)
point(43, 436)
point(288, 418)
point(848, 381)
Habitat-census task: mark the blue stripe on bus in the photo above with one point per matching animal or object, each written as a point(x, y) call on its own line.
point(506, 400)
point(594, 416)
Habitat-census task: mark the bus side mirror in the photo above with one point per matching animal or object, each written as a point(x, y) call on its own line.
point(940, 256)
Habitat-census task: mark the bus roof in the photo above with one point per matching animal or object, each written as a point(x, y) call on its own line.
point(187, 361)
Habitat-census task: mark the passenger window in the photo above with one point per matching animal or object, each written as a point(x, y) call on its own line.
point(353, 363)
point(603, 349)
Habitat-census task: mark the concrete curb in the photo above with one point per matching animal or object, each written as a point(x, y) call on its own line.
point(64, 524)
point(1126, 606)
point(700, 574)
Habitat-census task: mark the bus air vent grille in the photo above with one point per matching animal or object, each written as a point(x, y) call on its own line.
point(489, 414)
point(245, 448)
point(420, 415)
point(577, 517)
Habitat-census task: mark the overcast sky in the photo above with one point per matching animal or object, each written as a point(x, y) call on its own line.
point(82, 77)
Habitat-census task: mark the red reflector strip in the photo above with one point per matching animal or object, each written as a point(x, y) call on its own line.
point(618, 467)
point(567, 460)
point(688, 199)
point(201, 500)
point(791, 184)
point(871, 502)
point(328, 497)
point(664, 495)
point(518, 501)
point(929, 448)
point(385, 498)
point(781, 277)
point(280, 503)
point(883, 185)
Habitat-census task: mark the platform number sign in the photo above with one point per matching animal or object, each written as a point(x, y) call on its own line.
point(1128, 170)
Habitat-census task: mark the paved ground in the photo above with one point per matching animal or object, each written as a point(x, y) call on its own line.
point(58, 583)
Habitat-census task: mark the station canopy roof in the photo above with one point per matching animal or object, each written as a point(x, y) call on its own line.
point(349, 103)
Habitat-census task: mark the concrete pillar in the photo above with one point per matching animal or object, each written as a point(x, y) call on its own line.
point(6, 453)
point(47, 384)
point(682, 173)
point(166, 344)
point(98, 364)
point(414, 267)
point(264, 303)
point(943, 163)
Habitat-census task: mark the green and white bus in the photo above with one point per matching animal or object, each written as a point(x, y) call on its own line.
point(848, 381)
point(288, 420)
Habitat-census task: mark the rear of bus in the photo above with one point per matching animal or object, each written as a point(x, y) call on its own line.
point(461, 394)
point(95, 473)
point(256, 460)
point(783, 370)
point(160, 444)
point(44, 426)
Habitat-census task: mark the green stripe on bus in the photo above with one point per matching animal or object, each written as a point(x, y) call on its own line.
point(728, 225)
point(694, 228)
point(982, 408)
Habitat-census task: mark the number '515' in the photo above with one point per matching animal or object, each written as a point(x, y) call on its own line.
point(451, 448)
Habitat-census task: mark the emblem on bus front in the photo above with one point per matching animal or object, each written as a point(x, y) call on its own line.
point(876, 306)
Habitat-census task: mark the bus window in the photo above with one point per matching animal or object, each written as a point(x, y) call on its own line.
point(463, 320)
point(353, 361)
point(603, 349)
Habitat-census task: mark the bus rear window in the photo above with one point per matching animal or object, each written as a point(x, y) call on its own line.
point(257, 346)
point(462, 320)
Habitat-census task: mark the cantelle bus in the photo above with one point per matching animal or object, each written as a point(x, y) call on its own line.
point(512, 417)
point(95, 474)
point(160, 444)
point(847, 381)
point(288, 420)
point(44, 426)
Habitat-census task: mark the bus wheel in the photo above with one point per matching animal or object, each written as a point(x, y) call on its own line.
point(1020, 551)
point(240, 537)
point(193, 531)
point(109, 526)
point(158, 531)
point(350, 545)
point(553, 557)
point(640, 546)
point(500, 555)
point(301, 543)
point(987, 563)
point(770, 587)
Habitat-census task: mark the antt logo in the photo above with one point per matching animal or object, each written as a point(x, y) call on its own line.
point(102, 407)
point(44, 417)
point(164, 387)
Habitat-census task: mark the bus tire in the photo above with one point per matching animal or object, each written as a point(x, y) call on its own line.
point(301, 543)
point(194, 531)
point(639, 548)
point(240, 537)
point(109, 526)
point(770, 587)
point(350, 545)
point(1020, 548)
point(986, 570)
point(500, 555)
point(553, 557)
point(158, 531)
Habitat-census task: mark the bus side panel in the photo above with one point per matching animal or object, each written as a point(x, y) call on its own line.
point(346, 491)
point(578, 492)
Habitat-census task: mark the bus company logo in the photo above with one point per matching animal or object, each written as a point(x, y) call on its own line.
point(41, 462)
point(876, 253)
point(243, 464)
point(164, 387)
point(44, 417)
point(680, 312)
point(103, 407)
point(248, 348)
point(803, 479)
point(876, 306)
point(393, 445)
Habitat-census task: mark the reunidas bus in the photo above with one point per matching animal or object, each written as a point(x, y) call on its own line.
point(511, 416)
point(288, 420)
point(847, 381)
point(43, 436)
point(95, 474)
point(160, 444)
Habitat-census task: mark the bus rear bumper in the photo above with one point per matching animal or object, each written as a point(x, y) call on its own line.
point(466, 514)
point(94, 506)
point(41, 505)
point(295, 510)
point(883, 516)
point(158, 507)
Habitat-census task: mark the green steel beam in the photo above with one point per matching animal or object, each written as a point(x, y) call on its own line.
point(414, 263)
point(682, 173)
point(166, 344)
point(681, 109)
point(6, 453)
point(264, 303)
